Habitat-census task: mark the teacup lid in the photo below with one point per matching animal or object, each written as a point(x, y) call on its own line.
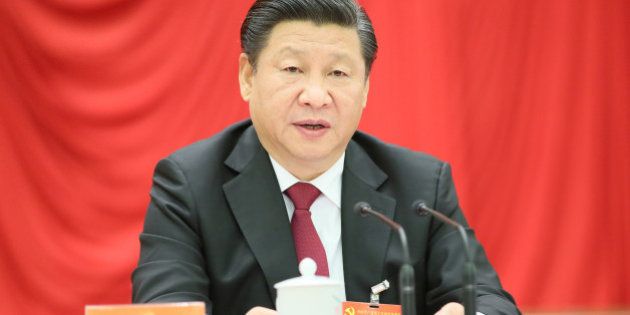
point(307, 267)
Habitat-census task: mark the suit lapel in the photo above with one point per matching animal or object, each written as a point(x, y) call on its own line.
point(256, 201)
point(364, 240)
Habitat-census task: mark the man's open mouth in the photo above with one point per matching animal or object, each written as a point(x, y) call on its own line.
point(312, 126)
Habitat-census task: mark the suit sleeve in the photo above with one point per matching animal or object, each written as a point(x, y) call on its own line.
point(446, 259)
point(171, 265)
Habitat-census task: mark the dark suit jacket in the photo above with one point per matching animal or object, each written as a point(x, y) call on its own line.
point(217, 229)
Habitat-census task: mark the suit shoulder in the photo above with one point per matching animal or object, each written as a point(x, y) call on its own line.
point(395, 158)
point(210, 151)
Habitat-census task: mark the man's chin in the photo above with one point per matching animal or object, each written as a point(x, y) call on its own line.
point(317, 158)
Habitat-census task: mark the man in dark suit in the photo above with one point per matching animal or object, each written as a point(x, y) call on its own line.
point(226, 221)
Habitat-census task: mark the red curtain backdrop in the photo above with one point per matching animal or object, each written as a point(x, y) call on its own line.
point(529, 101)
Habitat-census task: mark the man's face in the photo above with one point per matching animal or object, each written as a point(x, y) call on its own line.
point(307, 93)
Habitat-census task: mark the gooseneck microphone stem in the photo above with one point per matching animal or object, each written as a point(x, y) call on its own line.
point(406, 275)
point(453, 223)
point(469, 289)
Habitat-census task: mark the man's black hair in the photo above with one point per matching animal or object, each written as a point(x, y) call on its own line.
point(265, 14)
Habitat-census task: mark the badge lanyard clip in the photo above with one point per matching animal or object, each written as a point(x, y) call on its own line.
point(375, 291)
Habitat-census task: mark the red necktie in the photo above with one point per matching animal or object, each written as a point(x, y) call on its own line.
point(307, 242)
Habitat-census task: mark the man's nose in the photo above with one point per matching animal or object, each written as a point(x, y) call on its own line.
point(315, 94)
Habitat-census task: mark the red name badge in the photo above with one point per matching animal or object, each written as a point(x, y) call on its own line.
point(357, 308)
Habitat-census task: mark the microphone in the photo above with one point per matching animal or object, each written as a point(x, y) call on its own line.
point(469, 288)
point(405, 274)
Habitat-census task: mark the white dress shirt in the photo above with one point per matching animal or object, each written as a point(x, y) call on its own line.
point(325, 213)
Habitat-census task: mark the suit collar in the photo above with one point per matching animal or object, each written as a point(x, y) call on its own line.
point(360, 163)
point(245, 149)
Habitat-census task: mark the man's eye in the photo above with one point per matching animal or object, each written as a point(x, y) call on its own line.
point(292, 69)
point(339, 73)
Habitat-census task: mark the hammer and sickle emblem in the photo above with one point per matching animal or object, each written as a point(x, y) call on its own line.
point(349, 311)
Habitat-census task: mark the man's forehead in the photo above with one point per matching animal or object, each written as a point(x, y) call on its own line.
point(298, 37)
point(288, 49)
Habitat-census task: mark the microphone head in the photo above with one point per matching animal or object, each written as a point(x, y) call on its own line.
point(419, 206)
point(360, 208)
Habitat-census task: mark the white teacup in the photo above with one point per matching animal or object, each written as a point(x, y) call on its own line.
point(309, 294)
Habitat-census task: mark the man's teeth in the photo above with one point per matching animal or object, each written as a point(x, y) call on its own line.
point(313, 127)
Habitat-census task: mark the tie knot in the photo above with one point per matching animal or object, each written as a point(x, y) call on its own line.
point(303, 195)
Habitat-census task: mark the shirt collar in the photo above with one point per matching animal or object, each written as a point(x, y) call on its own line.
point(329, 183)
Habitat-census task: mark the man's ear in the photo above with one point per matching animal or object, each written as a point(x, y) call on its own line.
point(366, 89)
point(245, 73)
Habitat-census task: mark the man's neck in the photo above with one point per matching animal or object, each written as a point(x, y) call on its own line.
point(306, 170)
